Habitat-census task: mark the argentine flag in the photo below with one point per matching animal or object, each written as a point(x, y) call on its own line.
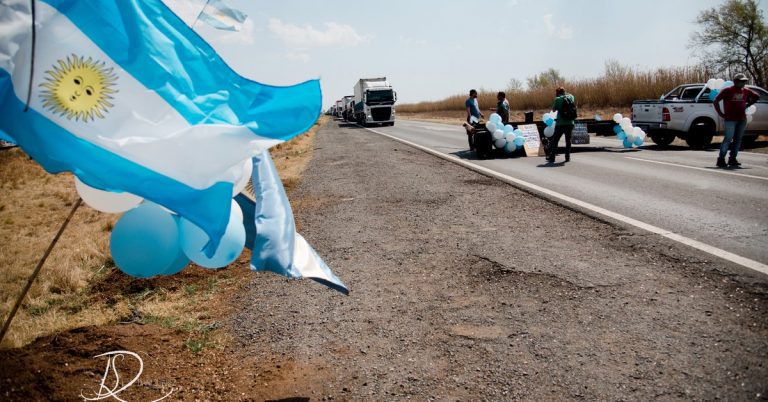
point(128, 98)
point(271, 231)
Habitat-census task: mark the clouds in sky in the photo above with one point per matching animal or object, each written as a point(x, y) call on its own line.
point(559, 31)
point(333, 34)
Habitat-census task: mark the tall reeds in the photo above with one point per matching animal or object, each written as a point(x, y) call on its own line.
point(617, 87)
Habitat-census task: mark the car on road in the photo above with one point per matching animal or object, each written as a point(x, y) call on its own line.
point(687, 112)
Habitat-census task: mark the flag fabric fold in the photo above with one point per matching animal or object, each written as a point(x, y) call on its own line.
point(130, 99)
point(271, 232)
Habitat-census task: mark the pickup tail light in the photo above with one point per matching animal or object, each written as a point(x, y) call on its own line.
point(665, 116)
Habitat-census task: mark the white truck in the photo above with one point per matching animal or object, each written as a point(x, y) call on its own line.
point(374, 102)
point(687, 112)
point(339, 108)
point(347, 111)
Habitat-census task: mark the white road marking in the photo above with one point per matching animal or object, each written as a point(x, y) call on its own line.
point(726, 255)
point(710, 170)
point(433, 128)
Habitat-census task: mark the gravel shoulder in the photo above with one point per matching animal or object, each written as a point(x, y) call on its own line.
point(463, 287)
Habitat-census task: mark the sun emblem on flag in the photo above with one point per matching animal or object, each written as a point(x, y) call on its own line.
point(79, 88)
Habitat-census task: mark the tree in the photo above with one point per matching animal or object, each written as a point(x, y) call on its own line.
point(734, 37)
point(514, 85)
point(546, 79)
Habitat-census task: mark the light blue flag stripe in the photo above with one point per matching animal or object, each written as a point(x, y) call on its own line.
point(58, 150)
point(157, 48)
point(274, 240)
point(6, 137)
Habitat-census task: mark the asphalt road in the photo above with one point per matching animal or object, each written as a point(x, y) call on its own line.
point(677, 189)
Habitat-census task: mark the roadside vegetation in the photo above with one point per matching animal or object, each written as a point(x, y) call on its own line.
point(616, 88)
point(79, 285)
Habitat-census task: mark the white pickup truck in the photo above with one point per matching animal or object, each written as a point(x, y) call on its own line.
point(688, 112)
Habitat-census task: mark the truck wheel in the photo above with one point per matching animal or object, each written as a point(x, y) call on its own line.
point(662, 139)
point(700, 135)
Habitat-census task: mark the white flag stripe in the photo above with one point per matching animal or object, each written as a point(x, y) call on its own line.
point(150, 132)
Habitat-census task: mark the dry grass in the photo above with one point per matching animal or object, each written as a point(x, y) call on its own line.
point(79, 284)
point(617, 88)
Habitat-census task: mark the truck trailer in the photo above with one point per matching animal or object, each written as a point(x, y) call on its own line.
point(374, 102)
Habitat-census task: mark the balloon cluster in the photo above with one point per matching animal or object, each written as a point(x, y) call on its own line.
point(550, 120)
point(504, 136)
point(750, 113)
point(716, 85)
point(149, 240)
point(630, 136)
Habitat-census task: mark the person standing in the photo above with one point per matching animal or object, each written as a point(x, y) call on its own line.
point(473, 108)
point(565, 106)
point(736, 99)
point(502, 107)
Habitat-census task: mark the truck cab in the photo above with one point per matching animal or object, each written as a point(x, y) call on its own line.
point(374, 102)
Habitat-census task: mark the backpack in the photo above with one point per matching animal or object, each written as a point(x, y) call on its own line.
point(568, 109)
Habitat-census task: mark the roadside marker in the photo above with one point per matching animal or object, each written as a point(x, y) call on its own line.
point(710, 170)
point(726, 255)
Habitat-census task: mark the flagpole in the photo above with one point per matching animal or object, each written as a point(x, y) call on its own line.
point(37, 271)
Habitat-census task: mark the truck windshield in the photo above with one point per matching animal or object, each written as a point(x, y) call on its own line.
point(376, 97)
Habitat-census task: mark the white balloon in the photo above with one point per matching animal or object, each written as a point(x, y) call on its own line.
point(711, 83)
point(244, 178)
point(750, 118)
point(617, 118)
point(500, 143)
point(554, 114)
point(751, 110)
point(549, 131)
point(719, 83)
point(510, 136)
point(626, 120)
point(498, 134)
point(106, 201)
point(636, 131)
point(491, 126)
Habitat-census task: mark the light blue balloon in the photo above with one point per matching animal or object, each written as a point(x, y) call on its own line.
point(518, 132)
point(181, 261)
point(496, 118)
point(510, 147)
point(617, 129)
point(713, 94)
point(638, 141)
point(549, 121)
point(519, 141)
point(727, 84)
point(508, 129)
point(621, 135)
point(627, 144)
point(145, 242)
point(193, 240)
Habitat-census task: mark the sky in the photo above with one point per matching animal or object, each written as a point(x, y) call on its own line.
point(433, 49)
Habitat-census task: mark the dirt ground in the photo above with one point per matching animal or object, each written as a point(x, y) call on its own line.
point(462, 288)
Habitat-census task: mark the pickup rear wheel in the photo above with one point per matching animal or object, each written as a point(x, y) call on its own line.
point(662, 139)
point(700, 135)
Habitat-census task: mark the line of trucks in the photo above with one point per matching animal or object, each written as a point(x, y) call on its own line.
point(372, 102)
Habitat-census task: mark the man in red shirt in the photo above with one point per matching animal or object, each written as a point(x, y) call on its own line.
point(736, 99)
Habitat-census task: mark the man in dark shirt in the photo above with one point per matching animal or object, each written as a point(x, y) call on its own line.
point(502, 107)
point(736, 99)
